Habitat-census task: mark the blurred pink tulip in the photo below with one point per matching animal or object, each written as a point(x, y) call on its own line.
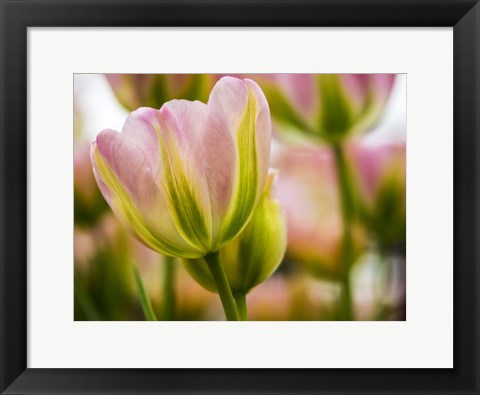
point(295, 297)
point(194, 302)
point(380, 173)
point(83, 247)
point(308, 190)
point(152, 90)
point(185, 179)
point(271, 301)
point(327, 106)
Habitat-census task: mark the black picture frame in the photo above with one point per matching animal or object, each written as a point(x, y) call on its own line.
point(18, 15)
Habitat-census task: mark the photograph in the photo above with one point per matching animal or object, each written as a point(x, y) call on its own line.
point(239, 197)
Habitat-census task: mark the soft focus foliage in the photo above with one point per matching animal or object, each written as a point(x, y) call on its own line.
point(381, 176)
point(308, 190)
point(89, 204)
point(327, 107)
point(152, 90)
point(103, 286)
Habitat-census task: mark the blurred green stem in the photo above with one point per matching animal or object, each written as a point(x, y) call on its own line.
point(168, 288)
point(223, 287)
point(347, 203)
point(86, 304)
point(241, 302)
point(142, 293)
point(383, 309)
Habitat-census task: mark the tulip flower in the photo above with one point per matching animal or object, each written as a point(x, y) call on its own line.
point(327, 107)
point(185, 179)
point(381, 178)
point(254, 254)
point(152, 90)
point(308, 190)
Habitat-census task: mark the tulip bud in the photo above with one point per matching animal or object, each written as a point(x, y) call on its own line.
point(152, 90)
point(327, 107)
point(185, 179)
point(254, 254)
point(381, 175)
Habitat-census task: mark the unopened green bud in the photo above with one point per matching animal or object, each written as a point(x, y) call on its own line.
point(254, 255)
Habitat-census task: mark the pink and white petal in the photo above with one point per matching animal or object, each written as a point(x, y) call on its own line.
point(302, 92)
point(126, 160)
point(228, 101)
point(130, 168)
point(104, 188)
point(181, 169)
point(140, 128)
point(239, 114)
point(226, 106)
point(382, 85)
point(136, 200)
point(186, 120)
point(356, 88)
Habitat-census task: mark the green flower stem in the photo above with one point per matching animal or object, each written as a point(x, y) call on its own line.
point(383, 309)
point(168, 288)
point(223, 287)
point(346, 310)
point(85, 303)
point(347, 202)
point(142, 293)
point(241, 302)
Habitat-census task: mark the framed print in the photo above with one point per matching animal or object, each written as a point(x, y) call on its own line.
point(169, 168)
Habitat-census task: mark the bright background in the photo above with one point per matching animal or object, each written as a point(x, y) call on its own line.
point(101, 109)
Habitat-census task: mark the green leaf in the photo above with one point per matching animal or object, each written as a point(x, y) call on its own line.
point(142, 293)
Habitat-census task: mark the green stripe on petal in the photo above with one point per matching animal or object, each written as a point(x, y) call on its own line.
point(181, 197)
point(246, 184)
point(127, 208)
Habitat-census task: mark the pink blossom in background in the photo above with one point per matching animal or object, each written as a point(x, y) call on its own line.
point(327, 106)
point(380, 173)
point(376, 164)
point(308, 190)
point(153, 90)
